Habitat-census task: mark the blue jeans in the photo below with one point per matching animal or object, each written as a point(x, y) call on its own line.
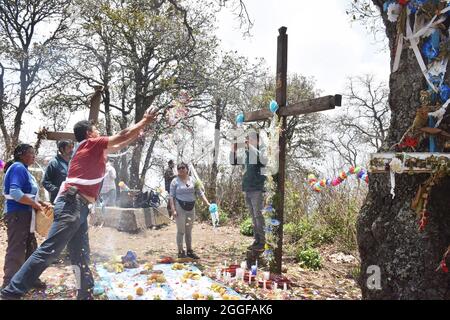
point(70, 227)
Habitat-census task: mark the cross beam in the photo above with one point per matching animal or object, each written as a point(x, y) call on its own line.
point(304, 107)
point(94, 111)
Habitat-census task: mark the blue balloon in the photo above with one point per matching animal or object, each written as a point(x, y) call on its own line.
point(273, 106)
point(240, 119)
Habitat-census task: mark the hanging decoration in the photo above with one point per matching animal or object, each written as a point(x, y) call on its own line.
point(271, 168)
point(317, 185)
point(428, 38)
point(424, 26)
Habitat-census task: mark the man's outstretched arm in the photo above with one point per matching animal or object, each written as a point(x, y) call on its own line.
point(128, 135)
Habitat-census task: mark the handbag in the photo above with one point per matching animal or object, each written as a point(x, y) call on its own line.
point(186, 205)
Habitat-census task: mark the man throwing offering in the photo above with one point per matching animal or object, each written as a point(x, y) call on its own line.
point(72, 206)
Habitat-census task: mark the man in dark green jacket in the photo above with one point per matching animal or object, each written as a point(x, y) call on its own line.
point(56, 171)
point(253, 187)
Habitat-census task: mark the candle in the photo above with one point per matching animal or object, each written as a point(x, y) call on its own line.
point(243, 265)
point(254, 270)
point(275, 286)
point(285, 286)
point(266, 275)
point(249, 277)
point(264, 284)
point(218, 274)
point(239, 273)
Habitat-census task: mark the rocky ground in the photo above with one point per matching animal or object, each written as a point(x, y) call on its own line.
point(215, 247)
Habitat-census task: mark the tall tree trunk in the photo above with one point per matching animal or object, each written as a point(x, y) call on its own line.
point(212, 192)
point(146, 165)
point(388, 235)
point(139, 112)
point(6, 137)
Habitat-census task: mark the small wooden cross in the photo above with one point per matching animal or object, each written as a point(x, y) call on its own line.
point(304, 107)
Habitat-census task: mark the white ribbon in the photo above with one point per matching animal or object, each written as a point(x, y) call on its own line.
point(413, 38)
point(439, 114)
point(415, 48)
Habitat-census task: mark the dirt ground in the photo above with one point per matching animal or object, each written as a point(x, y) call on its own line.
point(215, 247)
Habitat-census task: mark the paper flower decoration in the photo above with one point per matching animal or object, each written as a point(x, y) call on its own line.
point(393, 11)
point(429, 51)
point(444, 92)
point(396, 165)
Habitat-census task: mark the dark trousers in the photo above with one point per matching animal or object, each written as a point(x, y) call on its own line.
point(70, 228)
point(21, 243)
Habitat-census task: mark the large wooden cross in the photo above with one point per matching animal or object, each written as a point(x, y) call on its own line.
point(94, 111)
point(304, 107)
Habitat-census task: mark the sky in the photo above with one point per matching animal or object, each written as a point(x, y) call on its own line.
point(322, 43)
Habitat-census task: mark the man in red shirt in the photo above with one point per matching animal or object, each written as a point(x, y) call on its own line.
point(72, 206)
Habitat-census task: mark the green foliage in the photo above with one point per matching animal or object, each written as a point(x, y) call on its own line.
point(308, 232)
point(309, 258)
point(224, 217)
point(246, 227)
point(328, 217)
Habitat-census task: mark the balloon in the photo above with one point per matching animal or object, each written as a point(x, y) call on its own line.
point(273, 106)
point(240, 119)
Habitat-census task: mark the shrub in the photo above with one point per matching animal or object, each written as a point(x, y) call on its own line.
point(309, 232)
point(247, 227)
point(309, 258)
point(224, 217)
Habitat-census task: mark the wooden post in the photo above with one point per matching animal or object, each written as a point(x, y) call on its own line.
point(281, 96)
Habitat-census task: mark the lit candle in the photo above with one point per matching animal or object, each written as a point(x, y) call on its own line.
point(243, 265)
point(266, 275)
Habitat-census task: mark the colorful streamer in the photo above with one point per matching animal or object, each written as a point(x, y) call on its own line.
point(318, 185)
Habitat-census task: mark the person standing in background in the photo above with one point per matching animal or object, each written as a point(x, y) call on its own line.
point(56, 171)
point(108, 191)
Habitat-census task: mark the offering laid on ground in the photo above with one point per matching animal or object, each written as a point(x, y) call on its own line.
point(162, 282)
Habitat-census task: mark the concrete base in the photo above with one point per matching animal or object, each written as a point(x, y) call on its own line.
point(131, 220)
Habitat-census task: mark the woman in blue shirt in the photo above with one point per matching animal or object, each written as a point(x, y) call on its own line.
point(20, 189)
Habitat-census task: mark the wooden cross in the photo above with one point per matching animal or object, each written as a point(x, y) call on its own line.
point(304, 107)
point(93, 115)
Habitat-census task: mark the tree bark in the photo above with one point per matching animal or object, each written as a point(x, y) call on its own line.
point(212, 192)
point(387, 230)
